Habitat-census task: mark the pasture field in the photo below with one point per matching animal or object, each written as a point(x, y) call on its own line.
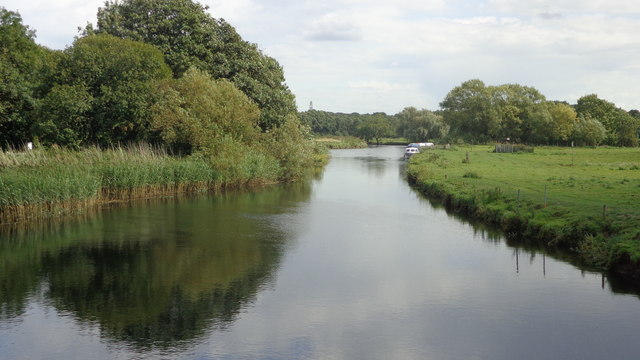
point(586, 200)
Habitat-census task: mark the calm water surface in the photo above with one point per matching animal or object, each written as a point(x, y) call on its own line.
point(350, 265)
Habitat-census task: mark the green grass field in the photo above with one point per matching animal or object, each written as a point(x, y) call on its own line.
point(587, 199)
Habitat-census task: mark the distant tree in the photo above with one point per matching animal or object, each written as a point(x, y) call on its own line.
point(375, 128)
point(22, 66)
point(420, 125)
point(564, 119)
point(467, 110)
point(588, 131)
point(189, 37)
point(622, 127)
point(475, 112)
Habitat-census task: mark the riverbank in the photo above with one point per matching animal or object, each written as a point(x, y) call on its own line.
point(341, 142)
point(46, 183)
point(584, 200)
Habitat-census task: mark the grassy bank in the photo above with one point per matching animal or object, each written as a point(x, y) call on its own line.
point(45, 183)
point(341, 142)
point(586, 200)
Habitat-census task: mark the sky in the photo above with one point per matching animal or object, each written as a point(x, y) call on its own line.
point(382, 56)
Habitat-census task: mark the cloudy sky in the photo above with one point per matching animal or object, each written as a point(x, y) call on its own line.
point(380, 55)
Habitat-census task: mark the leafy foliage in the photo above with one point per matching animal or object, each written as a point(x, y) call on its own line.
point(189, 37)
point(480, 113)
point(101, 93)
point(195, 109)
point(420, 125)
point(621, 127)
point(22, 69)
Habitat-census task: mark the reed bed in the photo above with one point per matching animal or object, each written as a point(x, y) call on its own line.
point(53, 182)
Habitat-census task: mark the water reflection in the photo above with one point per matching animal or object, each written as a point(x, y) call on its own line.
point(153, 276)
point(356, 265)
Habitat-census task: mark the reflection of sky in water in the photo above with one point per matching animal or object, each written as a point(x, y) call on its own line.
point(373, 272)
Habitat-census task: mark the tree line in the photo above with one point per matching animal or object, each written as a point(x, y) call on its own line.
point(158, 71)
point(476, 113)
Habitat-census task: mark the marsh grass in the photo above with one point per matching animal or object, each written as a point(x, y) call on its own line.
point(341, 142)
point(561, 196)
point(44, 183)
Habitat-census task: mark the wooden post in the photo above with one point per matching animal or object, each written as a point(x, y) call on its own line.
point(467, 157)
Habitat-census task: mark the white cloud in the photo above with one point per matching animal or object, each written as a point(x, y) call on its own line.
point(377, 86)
point(332, 27)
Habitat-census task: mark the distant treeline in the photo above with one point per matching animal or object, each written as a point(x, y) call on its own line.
point(476, 113)
point(164, 72)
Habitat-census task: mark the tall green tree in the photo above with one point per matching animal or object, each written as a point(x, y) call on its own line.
point(194, 110)
point(375, 128)
point(588, 131)
point(621, 127)
point(104, 87)
point(563, 118)
point(22, 66)
point(467, 110)
point(190, 37)
point(476, 112)
point(421, 125)
point(63, 116)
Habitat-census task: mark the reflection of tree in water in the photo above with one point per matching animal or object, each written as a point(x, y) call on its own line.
point(154, 276)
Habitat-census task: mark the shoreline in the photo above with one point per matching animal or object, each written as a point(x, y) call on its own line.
point(594, 243)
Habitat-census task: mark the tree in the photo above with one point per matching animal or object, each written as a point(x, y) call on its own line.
point(420, 125)
point(563, 119)
point(115, 76)
point(190, 37)
point(588, 131)
point(191, 112)
point(375, 128)
point(22, 64)
point(466, 110)
point(479, 113)
point(621, 127)
point(63, 116)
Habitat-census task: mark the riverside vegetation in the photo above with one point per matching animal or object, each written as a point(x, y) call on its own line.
point(584, 200)
point(53, 182)
point(207, 109)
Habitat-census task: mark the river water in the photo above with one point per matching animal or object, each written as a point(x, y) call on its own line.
point(352, 264)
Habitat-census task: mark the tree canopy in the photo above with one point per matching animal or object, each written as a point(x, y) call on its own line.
point(22, 71)
point(190, 37)
point(102, 92)
point(620, 126)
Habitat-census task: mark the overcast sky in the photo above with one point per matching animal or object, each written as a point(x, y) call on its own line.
point(380, 55)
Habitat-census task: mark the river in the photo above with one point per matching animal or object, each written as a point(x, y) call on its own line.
point(351, 264)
